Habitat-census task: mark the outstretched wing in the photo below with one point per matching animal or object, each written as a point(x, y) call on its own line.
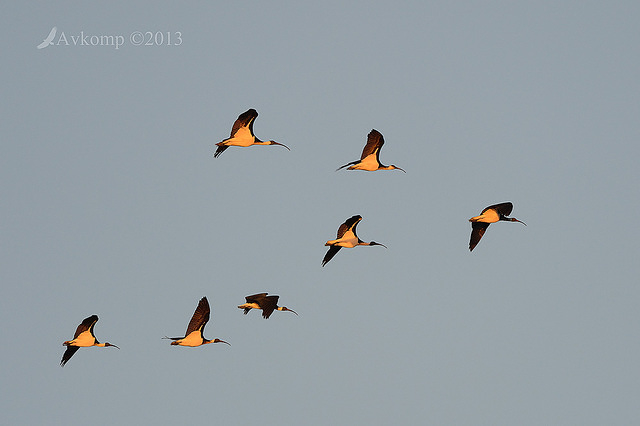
point(86, 324)
point(220, 150)
point(477, 231)
point(330, 253)
point(374, 142)
point(68, 354)
point(245, 119)
point(269, 305)
point(503, 209)
point(200, 317)
point(350, 223)
point(256, 298)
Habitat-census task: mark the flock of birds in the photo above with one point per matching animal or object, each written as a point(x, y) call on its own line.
point(242, 135)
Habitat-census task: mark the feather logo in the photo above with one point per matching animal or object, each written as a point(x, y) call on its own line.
point(49, 40)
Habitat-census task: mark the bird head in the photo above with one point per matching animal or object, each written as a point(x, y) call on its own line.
point(513, 219)
point(284, 308)
point(276, 143)
point(220, 341)
point(109, 344)
point(373, 243)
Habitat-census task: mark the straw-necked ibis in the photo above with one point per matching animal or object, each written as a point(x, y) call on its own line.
point(346, 237)
point(242, 133)
point(491, 214)
point(82, 339)
point(194, 335)
point(268, 304)
point(370, 158)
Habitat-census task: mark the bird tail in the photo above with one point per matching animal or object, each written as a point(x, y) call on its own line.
point(348, 164)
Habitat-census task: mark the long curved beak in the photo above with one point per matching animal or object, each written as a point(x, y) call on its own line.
point(110, 344)
point(399, 168)
point(281, 144)
point(516, 220)
point(373, 243)
point(222, 341)
point(291, 310)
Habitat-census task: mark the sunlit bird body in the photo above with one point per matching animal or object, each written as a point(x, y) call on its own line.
point(346, 237)
point(194, 335)
point(268, 304)
point(242, 134)
point(370, 158)
point(82, 339)
point(489, 215)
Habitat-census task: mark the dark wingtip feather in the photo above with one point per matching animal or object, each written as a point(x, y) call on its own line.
point(71, 350)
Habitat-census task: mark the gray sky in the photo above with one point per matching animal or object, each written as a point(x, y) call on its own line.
point(113, 205)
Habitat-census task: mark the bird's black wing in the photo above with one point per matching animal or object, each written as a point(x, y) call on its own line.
point(477, 231)
point(352, 222)
point(503, 209)
point(244, 119)
point(342, 230)
point(68, 354)
point(220, 150)
point(374, 141)
point(348, 164)
point(86, 324)
point(200, 317)
point(269, 304)
point(256, 298)
point(330, 253)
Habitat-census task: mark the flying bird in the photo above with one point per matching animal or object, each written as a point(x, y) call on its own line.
point(49, 40)
point(491, 214)
point(370, 158)
point(194, 335)
point(82, 339)
point(267, 303)
point(242, 134)
point(346, 237)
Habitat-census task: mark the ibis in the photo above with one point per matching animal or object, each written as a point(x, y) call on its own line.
point(83, 338)
point(194, 335)
point(242, 134)
point(489, 215)
point(268, 304)
point(346, 237)
point(370, 158)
